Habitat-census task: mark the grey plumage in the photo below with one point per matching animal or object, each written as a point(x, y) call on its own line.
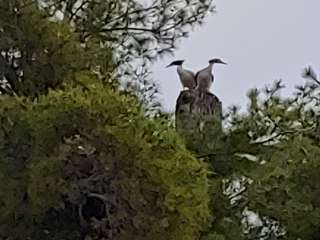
point(187, 77)
point(204, 78)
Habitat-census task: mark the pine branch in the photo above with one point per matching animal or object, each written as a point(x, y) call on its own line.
point(310, 74)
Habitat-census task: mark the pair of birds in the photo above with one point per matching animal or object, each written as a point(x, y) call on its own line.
point(200, 81)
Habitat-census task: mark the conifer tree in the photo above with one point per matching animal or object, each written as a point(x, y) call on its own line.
point(273, 165)
point(78, 157)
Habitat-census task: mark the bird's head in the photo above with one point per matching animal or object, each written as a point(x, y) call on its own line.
point(216, 60)
point(176, 63)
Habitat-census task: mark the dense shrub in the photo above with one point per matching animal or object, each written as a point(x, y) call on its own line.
point(80, 164)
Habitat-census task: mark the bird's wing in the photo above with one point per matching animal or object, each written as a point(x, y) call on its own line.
point(195, 78)
point(190, 72)
point(197, 74)
point(193, 75)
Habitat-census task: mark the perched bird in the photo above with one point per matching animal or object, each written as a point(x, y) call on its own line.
point(187, 77)
point(204, 78)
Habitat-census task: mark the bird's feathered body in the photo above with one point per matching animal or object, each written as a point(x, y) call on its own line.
point(187, 78)
point(204, 79)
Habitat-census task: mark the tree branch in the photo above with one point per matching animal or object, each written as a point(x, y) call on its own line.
point(130, 29)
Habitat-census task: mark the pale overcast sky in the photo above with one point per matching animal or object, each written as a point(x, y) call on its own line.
point(262, 41)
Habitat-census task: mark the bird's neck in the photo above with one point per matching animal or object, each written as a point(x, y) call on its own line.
point(210, 66)
point(179, 68)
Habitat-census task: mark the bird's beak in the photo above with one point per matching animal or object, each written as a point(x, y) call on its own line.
point(169, 65)
point(224, 63)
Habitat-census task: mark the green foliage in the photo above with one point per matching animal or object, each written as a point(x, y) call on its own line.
point(38, 53)
point(137, 32)
point(273, 151)
point(286, 187)
point(43, 41)
point(74, 146)
point(78, 158)
point(134, 29)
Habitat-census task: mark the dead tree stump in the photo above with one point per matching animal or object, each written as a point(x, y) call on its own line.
point(199, 120)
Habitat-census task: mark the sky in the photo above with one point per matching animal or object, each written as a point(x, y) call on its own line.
point(261, 40)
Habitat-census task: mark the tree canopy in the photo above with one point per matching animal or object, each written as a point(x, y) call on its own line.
point(132, 34)
point(79, 158)
point(273, 165)
point(61, 155)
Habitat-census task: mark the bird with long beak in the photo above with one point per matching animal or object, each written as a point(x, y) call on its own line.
point(187, 77)
point(204, 78)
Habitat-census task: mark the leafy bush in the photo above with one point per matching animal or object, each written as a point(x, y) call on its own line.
point(88, 164)
point(273, 167)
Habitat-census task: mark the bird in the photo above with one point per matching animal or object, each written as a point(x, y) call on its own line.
point(204, 78)
point(187, 77)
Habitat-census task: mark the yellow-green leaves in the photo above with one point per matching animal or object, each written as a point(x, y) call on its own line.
point(78, 143)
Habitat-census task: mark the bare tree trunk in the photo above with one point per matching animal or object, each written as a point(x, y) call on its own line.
point(199, 120)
